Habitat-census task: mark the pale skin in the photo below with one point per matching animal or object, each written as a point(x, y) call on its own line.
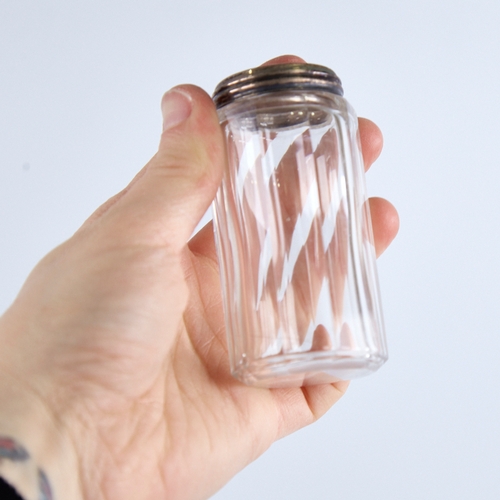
point(119, 334)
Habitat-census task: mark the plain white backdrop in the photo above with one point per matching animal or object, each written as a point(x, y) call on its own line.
point(80, 86)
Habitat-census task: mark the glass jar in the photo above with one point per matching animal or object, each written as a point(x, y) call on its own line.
point(293, 231)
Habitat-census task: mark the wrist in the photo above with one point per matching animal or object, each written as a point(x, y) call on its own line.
point(37, 457)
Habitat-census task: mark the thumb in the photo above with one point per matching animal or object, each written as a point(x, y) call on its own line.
point(167, 199)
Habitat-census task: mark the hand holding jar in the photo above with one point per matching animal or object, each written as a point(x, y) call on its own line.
point(114, 373)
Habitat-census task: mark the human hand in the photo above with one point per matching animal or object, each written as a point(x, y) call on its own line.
point(118, 336)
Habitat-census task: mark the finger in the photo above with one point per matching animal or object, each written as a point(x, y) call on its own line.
point(203, 242)
point(298, 407)
point(370, 135)
point(286, 59)
point(371, 141)
point(385, 223)
point(173, 191)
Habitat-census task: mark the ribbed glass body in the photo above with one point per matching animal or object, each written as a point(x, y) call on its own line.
point(294, 240)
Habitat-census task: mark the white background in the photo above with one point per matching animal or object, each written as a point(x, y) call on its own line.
point(80, 86)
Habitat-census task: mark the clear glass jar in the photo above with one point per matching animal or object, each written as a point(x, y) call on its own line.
point(293, 231)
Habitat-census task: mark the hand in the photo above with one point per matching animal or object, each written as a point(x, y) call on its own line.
point(119, 334)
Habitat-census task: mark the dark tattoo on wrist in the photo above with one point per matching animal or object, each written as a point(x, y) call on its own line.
point(45, 493)
point(13, 451)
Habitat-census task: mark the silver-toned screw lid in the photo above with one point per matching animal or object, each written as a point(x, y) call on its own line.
point(300, 76)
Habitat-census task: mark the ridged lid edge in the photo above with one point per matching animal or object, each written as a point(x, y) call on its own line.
point(275, 78)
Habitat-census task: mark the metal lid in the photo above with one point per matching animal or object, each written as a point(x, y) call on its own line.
point(275, 78)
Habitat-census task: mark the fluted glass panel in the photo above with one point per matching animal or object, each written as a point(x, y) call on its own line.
point(294, 237)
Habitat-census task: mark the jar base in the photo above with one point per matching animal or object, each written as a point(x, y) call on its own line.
point(297, 370)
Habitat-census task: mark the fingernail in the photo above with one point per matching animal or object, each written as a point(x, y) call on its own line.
point(176, 106)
